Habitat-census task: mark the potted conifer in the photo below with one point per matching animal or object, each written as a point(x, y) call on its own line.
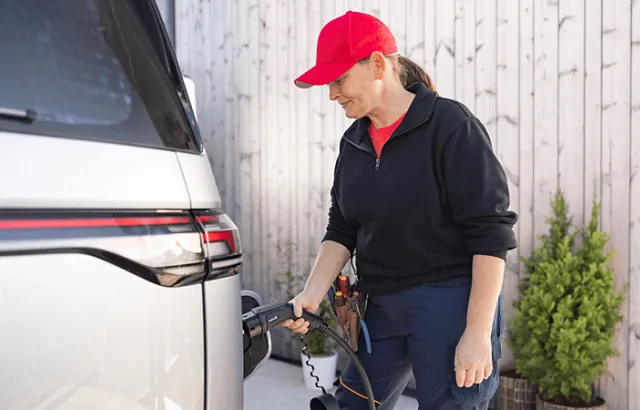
point(565, 320)
point(516, 391)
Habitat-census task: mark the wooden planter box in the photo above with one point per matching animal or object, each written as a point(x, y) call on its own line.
point(516, 393)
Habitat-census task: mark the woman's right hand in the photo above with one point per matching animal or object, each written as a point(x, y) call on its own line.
point(305, 300)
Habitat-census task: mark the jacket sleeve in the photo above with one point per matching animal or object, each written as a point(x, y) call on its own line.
point(339, 229)
point(477, 191)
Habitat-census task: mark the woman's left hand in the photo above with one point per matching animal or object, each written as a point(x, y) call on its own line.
point(473, 358)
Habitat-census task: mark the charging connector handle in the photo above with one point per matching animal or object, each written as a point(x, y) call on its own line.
point(264, 318)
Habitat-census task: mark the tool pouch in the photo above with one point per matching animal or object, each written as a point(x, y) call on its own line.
point(343, 320)
point(357, 306)
point(354, 329)
point(350, 306)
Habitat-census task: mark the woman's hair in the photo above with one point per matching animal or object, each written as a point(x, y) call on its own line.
point(411, 73)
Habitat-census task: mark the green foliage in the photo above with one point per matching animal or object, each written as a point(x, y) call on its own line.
point(319, 343)
point(564, 324)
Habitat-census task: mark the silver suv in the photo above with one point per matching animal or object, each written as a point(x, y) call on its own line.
point(119, 271)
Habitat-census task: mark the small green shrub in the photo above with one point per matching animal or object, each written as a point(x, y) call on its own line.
point(564, 324)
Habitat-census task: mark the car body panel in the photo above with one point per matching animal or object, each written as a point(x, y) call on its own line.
point(224, 344)
point(79, 332)
point(199, 179)
point(50, 172)
point(104, 321)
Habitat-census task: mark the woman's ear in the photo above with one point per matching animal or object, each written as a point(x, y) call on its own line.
point(379, 64)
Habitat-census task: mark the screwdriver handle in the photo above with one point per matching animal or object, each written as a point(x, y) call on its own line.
point(343, 285)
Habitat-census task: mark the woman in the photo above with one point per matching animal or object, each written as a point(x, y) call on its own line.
point(420, 196)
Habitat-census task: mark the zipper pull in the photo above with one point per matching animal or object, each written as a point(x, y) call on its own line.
point(377, 164)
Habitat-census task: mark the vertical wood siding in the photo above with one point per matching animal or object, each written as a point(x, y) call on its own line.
point(556, 82)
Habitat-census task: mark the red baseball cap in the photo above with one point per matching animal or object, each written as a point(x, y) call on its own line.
point(342, 42)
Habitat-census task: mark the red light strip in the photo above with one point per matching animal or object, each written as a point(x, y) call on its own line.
point(221, 236)
point(206, 219)
point(90, 222)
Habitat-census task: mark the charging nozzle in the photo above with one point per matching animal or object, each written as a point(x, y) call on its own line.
point(264, 318)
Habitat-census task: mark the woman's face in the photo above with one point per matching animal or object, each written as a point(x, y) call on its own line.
point(358, 90)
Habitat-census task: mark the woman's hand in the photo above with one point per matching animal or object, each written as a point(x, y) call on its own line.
point(473, 362)
point(332, 256)
point(305, 300)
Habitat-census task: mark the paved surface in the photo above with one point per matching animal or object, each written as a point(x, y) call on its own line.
point(278, 385)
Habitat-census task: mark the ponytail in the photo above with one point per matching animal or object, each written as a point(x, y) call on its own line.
point(411, 73)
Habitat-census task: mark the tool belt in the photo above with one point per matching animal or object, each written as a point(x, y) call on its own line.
point(349, 304)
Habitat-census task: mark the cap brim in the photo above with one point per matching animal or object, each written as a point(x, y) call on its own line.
point(322, 74)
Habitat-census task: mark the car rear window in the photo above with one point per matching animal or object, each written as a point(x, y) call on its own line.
point(90, 69)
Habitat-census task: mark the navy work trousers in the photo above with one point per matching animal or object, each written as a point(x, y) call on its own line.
point(418, 329)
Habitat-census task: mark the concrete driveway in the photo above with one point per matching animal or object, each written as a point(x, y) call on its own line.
point(278, 385)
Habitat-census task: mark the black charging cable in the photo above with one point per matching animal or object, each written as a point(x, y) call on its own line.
point(264, 318)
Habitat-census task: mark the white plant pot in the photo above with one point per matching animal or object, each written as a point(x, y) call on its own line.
point(323, 366)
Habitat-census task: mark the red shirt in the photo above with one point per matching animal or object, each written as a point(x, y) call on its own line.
point(379, 136)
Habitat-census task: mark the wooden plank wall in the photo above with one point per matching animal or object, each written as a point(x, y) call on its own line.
point(557, 83)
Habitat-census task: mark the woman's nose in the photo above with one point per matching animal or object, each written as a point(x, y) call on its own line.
point(333, 92)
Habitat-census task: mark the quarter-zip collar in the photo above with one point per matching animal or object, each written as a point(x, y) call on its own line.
point(419, 111)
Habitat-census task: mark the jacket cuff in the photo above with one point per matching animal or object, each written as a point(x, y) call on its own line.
point(343, 240)
point(502, 254)
point(489, 236)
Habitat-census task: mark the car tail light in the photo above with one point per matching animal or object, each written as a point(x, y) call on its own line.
point(167, 247)
point(220, 236)
point(164, 247)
